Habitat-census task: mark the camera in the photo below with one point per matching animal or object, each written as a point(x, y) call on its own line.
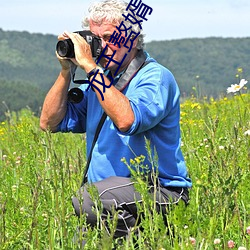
point(65, 48)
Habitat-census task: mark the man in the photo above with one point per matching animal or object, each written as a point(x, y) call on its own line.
point(141, 100)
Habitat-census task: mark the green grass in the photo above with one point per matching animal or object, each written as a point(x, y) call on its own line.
point(40, 172)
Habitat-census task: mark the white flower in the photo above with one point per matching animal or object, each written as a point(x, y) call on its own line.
point(242, 248)
point(247, 133)
point(22, 210)
point(237, 87)
point(217, 241)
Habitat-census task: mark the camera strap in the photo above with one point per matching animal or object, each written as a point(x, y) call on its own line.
point(136, 64)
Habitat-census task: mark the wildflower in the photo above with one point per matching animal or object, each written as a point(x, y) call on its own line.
point(132, 162)
point(237, 87)
point(247, 133)
point(242, 248)
point(22, 210)
point(195, 106)
point(248, 230)
point(230, 244)
point(45, 216)
point(137, 159)
point(240, 70)
point(221, 147)
point(198, 182)
point(216, 241)
point(192, 240)
point(14, 188)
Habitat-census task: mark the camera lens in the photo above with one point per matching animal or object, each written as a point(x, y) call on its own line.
point(75, 95)
point(65, 48)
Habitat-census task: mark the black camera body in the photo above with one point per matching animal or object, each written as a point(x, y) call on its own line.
point(65, 48)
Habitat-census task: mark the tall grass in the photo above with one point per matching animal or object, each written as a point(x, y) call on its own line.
point(40, 172)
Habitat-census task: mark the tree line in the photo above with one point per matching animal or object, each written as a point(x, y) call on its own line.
point(202, 67)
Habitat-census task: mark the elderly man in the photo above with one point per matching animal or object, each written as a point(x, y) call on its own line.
point(140, 100)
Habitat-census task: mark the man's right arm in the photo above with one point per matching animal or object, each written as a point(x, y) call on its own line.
point(55, 103)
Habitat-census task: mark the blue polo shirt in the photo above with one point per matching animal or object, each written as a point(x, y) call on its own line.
point(154, 97)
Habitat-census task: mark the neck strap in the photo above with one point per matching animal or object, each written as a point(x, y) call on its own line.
point(135, 65)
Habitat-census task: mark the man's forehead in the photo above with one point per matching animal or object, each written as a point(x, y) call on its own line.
point(104, 28)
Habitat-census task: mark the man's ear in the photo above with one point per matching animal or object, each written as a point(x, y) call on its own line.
point(135, 42)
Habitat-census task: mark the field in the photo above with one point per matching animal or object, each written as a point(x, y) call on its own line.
point(40, 172)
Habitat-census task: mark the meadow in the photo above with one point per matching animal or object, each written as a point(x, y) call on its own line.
point(40, 172)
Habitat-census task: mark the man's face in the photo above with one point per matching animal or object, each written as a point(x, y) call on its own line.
point(105, 31)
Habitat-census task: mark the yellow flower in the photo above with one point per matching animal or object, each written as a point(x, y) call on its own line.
point(138, 160)
point(132, 162)
point(183, 113)
point(240, 70)
point(195, 105)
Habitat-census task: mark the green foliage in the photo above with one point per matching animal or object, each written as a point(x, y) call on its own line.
point(36, 184)
point(28, 68)
point(40, 172)
point(216, 146)
point(28, 58)
point(14, 95)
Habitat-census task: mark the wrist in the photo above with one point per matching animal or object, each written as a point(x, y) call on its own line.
point(95, 70)
point(90, 67)
point(65, 73)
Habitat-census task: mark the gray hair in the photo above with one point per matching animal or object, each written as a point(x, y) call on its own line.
point(111, 11)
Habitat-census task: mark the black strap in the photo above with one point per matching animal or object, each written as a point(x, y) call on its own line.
point(137, 63)
point(97, 132)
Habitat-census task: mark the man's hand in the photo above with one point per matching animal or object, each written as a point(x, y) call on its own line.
point(66, 63)
point(83, 54)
